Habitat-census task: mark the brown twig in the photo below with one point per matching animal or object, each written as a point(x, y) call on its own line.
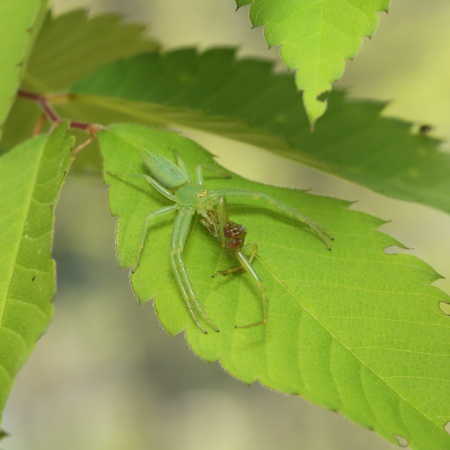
point(53, 117)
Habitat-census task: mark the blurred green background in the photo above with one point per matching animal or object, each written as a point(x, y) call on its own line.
point(106, 376)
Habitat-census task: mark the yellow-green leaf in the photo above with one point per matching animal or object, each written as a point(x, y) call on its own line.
point(353, 329)
point(31, 176)
point(316, 37)
point(19, 23)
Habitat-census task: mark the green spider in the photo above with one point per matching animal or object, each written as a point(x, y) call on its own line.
point(190, 197)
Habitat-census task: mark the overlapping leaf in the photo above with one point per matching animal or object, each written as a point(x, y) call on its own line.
point(68, 47)
point(354, 329)
point(60, 57)
point(316, 37)
point(31, 176)
point(244, 100)
point(19, 22)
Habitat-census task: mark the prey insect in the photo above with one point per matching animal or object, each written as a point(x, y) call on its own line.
point(231, 236)
point(189, 197)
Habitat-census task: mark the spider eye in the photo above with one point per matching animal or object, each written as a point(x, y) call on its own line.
point(202, 194)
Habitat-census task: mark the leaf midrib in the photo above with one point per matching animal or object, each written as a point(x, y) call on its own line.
point(339, 341)
point(26, 209)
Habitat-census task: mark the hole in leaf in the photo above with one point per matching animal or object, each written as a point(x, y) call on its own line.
point(425, 129)
point(323, 97)
point(402, 442)
point(447, 427)
point(445, 308)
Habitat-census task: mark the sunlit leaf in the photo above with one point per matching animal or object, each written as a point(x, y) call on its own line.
point(316, 37)
point(353, 329)
point(19, 22)
point(31, 176)
point(60, 58)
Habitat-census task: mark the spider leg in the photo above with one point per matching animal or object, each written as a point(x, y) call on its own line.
point(240, 268)
point(215, 219)
point(209, 220)
point(153, 215)
point(222, 220)
point(246, 264)
point(199, 170)
point(180, 164)
point(320, 231)
point(158, 186)
point(199, 173)
point(254, 248)
point(179, 236)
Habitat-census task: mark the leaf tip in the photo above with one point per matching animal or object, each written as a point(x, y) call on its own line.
point(315, 107)
point(141, 302)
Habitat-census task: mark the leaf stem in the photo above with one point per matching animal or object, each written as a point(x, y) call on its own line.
point(44, 103)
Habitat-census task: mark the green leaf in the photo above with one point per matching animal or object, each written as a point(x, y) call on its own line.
point(354, 330)
point(244, 100)
point(31, 176)
point(19, 20)
point(316, 37)
point(60, 57)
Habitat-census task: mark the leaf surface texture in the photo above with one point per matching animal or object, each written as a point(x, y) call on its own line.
point(245, 101)
point(316, 37)
point(31, 176)
point(353, 329)
point(19, 22)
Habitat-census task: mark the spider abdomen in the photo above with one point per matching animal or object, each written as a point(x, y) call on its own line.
point(164, 171)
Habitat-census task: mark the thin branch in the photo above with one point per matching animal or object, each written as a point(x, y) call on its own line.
point(44, 103)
